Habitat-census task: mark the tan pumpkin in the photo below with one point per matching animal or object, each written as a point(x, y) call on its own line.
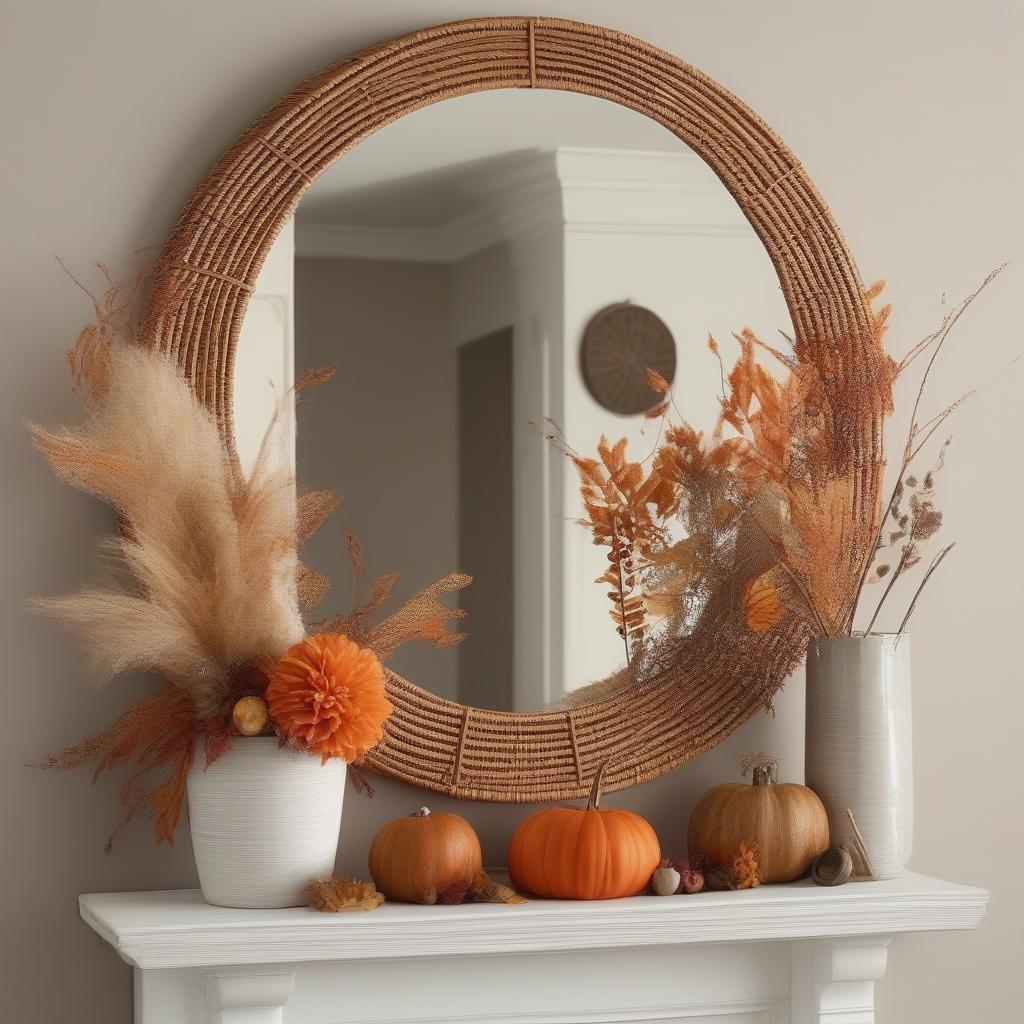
point(787, 822)
point(593, 854)
point(416, 859)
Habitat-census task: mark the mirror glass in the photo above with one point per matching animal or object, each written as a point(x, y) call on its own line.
point(473, 268)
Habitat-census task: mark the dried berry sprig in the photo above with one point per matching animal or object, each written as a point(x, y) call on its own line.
point(630, 607)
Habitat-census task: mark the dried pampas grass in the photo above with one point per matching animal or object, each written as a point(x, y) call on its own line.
point(204, 585)
point(210, 555)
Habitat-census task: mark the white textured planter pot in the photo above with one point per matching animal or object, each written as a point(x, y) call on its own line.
point(859, 752)
point(264, 822)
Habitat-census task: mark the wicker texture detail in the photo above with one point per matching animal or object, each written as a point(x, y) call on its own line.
point(218, 245)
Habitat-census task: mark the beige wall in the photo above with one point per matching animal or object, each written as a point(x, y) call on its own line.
point(904, 113)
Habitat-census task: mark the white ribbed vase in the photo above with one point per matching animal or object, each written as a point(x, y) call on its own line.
point(265, 822)
point(858, 752)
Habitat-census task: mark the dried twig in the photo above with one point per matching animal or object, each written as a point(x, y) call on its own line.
point(862, 847)
point(905, 555)
point(936, 562)
point(911, 449)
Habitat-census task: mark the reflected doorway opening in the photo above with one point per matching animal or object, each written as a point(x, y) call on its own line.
point(486, 524)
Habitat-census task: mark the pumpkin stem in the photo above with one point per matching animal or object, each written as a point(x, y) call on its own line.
point(761, 769)
point(423, 812)
point(595, 789)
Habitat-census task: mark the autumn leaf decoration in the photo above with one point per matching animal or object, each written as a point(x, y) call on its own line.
point(753, 529)
point(624, 507)
point(659, 386)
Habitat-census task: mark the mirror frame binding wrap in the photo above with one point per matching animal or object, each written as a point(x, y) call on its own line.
point(208, 267)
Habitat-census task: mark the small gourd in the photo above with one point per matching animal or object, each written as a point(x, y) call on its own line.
point(250, 716)
point(423, 856)
point(787, 822)
point(593, 854)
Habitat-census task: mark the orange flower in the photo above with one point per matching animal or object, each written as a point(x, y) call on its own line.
point(327, 695)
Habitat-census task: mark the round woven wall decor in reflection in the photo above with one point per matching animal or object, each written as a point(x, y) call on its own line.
point(210, 263)
point(620, 344)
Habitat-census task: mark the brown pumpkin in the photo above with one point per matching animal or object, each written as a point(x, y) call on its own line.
point(418, 858)
point(787, 822)
point(592, 854)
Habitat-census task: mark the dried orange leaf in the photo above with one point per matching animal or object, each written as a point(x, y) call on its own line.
point(338, 895)
point(312, 508)
point(657, 382)
point(311, 586)
point(423, 617)
point(762, 607)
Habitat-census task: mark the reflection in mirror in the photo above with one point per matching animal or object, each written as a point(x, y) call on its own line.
point(453, 266)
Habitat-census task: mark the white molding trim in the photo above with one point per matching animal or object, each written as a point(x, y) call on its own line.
point(177, 929)
point(727, 1012)
point(578, 190)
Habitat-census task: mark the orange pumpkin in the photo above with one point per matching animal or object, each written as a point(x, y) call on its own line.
point(416, 859)
point(787, 822)
point(593, 854)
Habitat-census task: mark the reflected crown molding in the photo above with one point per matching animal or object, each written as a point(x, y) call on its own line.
point(567, 189)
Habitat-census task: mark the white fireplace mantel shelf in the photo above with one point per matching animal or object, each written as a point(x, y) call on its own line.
point(712, 956)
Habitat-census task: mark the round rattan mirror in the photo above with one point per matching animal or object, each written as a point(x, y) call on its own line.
point(211, 262)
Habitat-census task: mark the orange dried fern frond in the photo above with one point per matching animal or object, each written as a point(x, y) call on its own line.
point(159, 730)
point(116, 323)
point(423, 617)
point(311, 586)
point(754, 528)
point(313, 509)
point(356, 623)
point(620, 498)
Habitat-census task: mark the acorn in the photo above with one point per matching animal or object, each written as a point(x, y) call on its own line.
point(250, 716)
point(665, 880)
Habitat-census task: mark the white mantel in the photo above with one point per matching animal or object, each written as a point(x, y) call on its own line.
point(795, 953)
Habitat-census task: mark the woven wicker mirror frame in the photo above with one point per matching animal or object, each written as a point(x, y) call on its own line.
point(215, 252)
